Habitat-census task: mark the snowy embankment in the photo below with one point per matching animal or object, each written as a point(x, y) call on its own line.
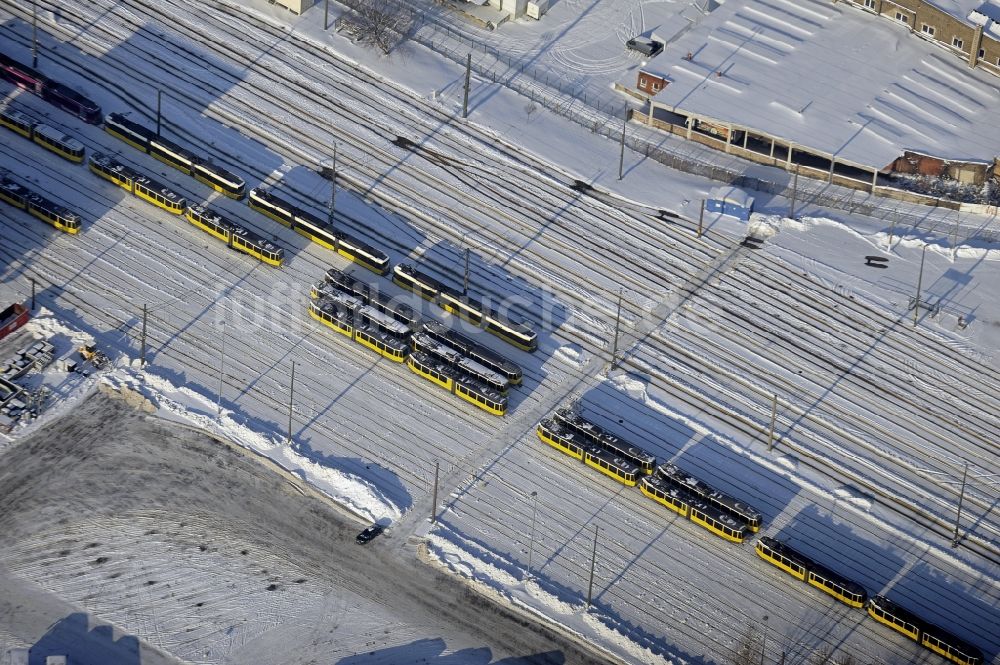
point(189, 407)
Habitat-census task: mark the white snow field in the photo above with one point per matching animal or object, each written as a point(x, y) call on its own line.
point(876, 414)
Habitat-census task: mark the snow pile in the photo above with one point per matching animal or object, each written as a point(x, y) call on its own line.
point(187, 406)
point(504, 578)
point(572, 354)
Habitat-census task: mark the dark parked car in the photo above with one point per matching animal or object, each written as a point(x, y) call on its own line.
point(647, 48)
point(369, 533)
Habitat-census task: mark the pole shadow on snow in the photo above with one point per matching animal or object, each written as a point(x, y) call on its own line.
point(432, 652)
point(75, 637)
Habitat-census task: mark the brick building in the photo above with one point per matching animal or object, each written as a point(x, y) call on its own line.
point(968, 28)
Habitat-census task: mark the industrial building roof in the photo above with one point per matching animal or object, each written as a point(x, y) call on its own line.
point(832, 78)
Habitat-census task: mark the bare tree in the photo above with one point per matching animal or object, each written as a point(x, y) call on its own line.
point(383, 23)
point(822, 656)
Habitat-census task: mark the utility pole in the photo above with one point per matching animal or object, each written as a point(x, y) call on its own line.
point(291, 400)
point(621, 154)
point(892, 228)
point(465, 284)
point(32, 294)
point(437, 467)
point(701, 216)
point(618, 320)
point(326, 15)
point(222, 368)
point(774, 414)
point(468, 79)
point(593, 563)
point(920, 279)
point(142, 351)
point(531, 546)
point(961, 497)
point(34, 34)
point(795, 189)
point(333, 184)
point(159, 100)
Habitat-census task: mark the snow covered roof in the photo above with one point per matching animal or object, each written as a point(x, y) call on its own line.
point(828, 77)
point(730, 194)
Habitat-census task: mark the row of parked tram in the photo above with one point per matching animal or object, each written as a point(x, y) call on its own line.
point(669, 485)
point(445, 358)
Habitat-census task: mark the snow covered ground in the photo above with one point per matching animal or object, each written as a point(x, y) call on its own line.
point(875, 414)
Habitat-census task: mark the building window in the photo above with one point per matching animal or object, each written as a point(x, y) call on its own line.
point(927, 29)
point(956, 42)
point(870, 4)
point(642, 82)
point(982, 53)
point(902, 18)
point(656, 87)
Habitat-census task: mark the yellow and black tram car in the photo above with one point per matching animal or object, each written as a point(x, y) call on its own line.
point(350, 318)
point(137, 136)
point(175, 155)
point(141, 186)
point(351, 248)
point(410, 278)
point(474, 350)
point(803, 568)
point(54, 214)
point(749, 514)
point(235, 236)
point(48, 137)
point(577, 447)
point(273, 206)
point(558, 437)
point(370, 295)
point(611, 465)
point(601, 437)
point(688, 505)
point(421, 341)
point(465, 307)
point(13, 193)
point(926, 634)
point(456, 382)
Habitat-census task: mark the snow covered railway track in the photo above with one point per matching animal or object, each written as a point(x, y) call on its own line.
point(197, 351)
point(717, 313)
point(733, 412)
point(901, 457)
point(642, 588)
point(844, 403)
point(580, 258)
point(853, 325)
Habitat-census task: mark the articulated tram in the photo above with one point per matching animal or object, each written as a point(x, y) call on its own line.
point(142, 186)
point(803, 568)
point(48, 137)
point(318, 231)
point(235, 236)
point(51, 91)
point(365, 325)
point(421, 341)
point(467, 308)
point(370, 295)
point(176, 156)
point(576, 446)
point(675, 474)
point(595, 434)
point(926, 634)
point(474, 350)
point(39, 206)
point(457, 382)
point(688, 505)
